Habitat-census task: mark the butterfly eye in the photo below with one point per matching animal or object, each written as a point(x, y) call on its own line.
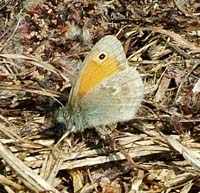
point(101, 56)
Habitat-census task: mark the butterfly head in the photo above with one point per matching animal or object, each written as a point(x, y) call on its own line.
point(74, 122)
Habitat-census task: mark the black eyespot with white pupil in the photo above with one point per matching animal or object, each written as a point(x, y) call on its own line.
point(102, 56)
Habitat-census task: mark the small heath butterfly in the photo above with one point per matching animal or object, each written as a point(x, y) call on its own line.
point(106, 91)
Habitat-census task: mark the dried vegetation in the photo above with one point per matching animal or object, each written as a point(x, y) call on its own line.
point(42, 45)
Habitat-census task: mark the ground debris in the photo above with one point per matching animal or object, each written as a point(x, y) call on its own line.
point(42, 45)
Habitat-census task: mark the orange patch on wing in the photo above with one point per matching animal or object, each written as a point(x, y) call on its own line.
point(95, 72)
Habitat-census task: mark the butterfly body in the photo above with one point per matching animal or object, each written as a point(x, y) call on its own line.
point(106, 91)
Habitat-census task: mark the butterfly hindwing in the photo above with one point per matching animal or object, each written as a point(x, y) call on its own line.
point(116, 99)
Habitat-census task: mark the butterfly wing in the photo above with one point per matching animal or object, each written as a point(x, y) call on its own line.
point(107, 90)
point(105, 59)
point(116, 99)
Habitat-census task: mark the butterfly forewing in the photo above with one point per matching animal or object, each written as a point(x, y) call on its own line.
point(105, 59)
point(94, 73)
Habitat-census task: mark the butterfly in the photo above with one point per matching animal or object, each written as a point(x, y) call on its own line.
point(106, 91)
